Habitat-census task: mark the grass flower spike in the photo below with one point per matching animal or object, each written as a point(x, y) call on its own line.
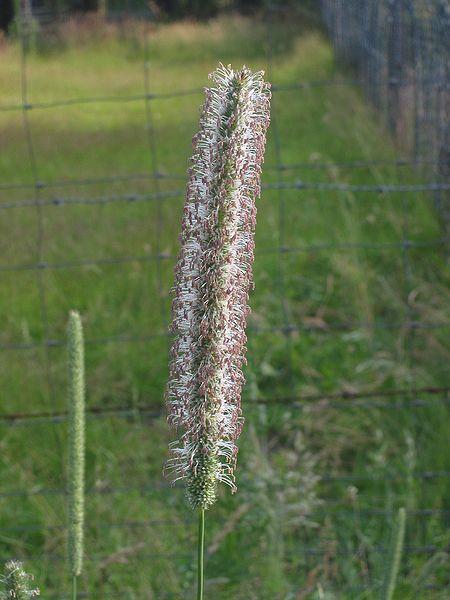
point(76, 445)
point(17, 583)
point(212, 281)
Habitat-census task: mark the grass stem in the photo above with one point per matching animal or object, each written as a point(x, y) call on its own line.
point(201, 553)
point(74, 587)
point(396, 555)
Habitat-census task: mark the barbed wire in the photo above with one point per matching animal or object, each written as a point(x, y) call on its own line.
point(325, 586)
point(107, 595)
point(311, 550)
point(127, 594)
point(438, 83)
point(319, 186)
point(137, 524)
point(321, 401)
point(322, 327)
point(351, 164)
point(152, 412)
point(158, 487)
point(404, 243)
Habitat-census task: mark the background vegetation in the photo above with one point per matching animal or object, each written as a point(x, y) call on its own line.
point(156, 9)
point(320, 480)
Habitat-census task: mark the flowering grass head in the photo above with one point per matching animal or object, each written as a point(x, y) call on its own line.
point(213, 277)
point(17, 583)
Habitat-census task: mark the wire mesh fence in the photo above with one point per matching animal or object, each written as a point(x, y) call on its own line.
point(406, 79)
point(400, 51)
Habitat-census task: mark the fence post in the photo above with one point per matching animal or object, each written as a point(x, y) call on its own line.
point(442, 125)
point(395, 63)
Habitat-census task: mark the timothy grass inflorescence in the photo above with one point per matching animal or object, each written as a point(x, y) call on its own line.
point(76, 410)
point(17, 583)
point(212, 281)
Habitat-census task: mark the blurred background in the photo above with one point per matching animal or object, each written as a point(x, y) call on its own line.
point(347, 393)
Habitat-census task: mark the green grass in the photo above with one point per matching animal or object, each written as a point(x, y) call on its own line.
point(259, 540)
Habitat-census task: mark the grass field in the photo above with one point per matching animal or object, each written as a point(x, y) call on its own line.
point(320, 481)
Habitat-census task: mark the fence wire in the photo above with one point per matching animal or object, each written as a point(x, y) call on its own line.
point(403, 70)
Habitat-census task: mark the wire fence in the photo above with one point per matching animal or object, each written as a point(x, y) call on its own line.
point(387, 399)
point(402, 69)
point(398, 47)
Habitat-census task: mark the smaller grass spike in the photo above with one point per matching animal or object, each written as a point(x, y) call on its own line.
point(17, 583)
point(76, 411)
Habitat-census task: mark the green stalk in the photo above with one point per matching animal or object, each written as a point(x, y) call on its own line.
point(396, 556)
point(74, 587)
point(201, 553)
